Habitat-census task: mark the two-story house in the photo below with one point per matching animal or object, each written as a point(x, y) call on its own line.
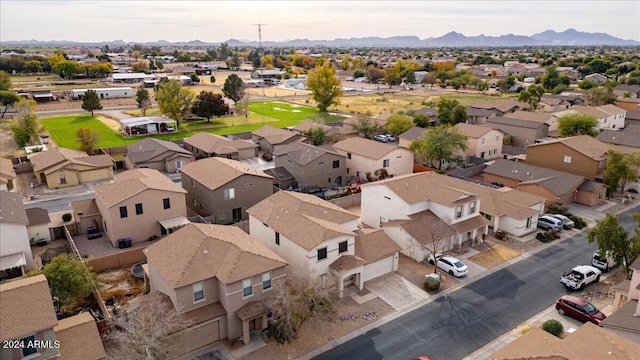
point(15, 250)
point(367, 156)
point(157, 154)
point(312, 166)
point(38, 227)
point(626, 306)
point(581, 155)
point(140, 204)
point(8, 176)
point(402, 197)
point(224, 188)
point(205, 145)
point(482, 142)
point(217, 275)
point(270, 138)
point(406, 138)
point(542, 117)
point(319, 239)
point(609, 116)
point(29, 319)
point(625, 141)
point(60, 167)
point(522, 132)
point(500, 107)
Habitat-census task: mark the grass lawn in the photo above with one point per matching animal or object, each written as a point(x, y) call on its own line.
point(63, 128)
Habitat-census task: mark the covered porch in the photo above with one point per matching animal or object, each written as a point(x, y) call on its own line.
point(471, 231)
point(254, 320)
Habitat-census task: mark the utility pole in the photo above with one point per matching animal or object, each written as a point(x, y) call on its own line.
point(260, 25)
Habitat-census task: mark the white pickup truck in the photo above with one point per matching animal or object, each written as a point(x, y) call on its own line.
point(604, 263)
point(580, 276)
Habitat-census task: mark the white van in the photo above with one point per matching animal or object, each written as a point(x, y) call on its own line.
point(605, 263)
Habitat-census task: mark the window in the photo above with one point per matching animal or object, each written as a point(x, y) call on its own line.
point(277, 238)
point(472, 207)
point(193, 183)
point(229, 156)
point(28, 350)
point(63, 179)
point(497, 137)
point(600, 164)
point(599, 194)
point(247, 288)
point(198, 291)
point(123, 212)
point(482, 141)
point(357, 173)
point(348, 155)
point(229, 193)
point(166, 203)
point(336, 164)
point(193, 201)
point(348, 170)
point(248, 185)
point(342, 247)
point(528, 222)
point(385, 163)
point(458, 212)
point(567, 159)
point(266, 281)
point(138, 209)
point(322, 253)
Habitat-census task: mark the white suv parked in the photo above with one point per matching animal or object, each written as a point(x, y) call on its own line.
point(549, 222)
point(451, 265)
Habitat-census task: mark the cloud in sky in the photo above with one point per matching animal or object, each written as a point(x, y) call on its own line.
point(215, 21)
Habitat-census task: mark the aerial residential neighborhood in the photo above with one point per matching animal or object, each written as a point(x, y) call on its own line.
point(472, 195)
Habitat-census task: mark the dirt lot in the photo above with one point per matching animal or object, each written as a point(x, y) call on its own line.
point(495, 256)
point(120, 285)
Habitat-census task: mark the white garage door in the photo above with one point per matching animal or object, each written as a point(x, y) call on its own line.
point(197, 336)
point(378, 268)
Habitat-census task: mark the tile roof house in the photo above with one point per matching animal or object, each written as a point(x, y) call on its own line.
point(625, 321)
point(551, 103)
point(609, 116)
point(386, 201)
point(38, 228)
point(629, 104)
point(522, 132)
point(367, 156)
point(482, 142)
point(220, 273)
point(27, 313)
point(140, 204)
point(477, 116)
point(581, 155)
point(596, 78)
point(627, 91)
point(270, 138)
point(161, 155)
point(542, 117)
point(224, 188)
point(8, 176)
point(282, 179)
point(204, 145)
point(319, 239)
point(312, 166)
point(309, 125)
point(500, 107)
point(406, 138)
point(555, 186)
point(60, 167)
point(15, 250)
point(625, 141)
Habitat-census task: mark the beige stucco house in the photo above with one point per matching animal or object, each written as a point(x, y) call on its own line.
point(141, 203)
point(312, 166)
point(482, 142)
point(38, 227)
point(161, 155)
point(8, 176)
point(15, 250)
point(217, 275)
point(367, 156)
point(61, 168)
point(270, 139)
point(224, 189)
point(204, 145)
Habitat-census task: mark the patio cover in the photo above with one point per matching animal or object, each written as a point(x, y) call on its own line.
point(174, 222)
point(12, 261)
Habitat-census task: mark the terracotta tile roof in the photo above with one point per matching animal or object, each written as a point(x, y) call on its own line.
point(346, 262)
point(305, 219)
point(590, 110)
point(426, 227)
point(214, 172)
point(11, 208)
point(149, 148)
point(26, 307)
point(303, 153)
point(470, 224)
point(45, 159)
point(558, 182)
point(216, 144)
point(251, 310)
point(584, 144)
point(530, 116)
point(472, 131)
point(629, 136)
point(79, 338)
point(197, 252)
point(374, 244)
point(364, 147)
point(38, 216)
point(132, 182)
point(275, 135)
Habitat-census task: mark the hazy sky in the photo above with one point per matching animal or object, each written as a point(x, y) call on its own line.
point(216, 21)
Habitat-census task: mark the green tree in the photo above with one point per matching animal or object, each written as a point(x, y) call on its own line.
point(91, 101)
point(5, 80)
point(317, 134)
point(143, 100)
point(451, 112)
point(586, 84)
point(410, 78)
point(532, 96)
point(440, 143)
point(553, 80)
point(25, 126)
point(507, 83)
point(69, 279)
point(577, 124)
point(7, 99)
point(174, 100)
point(88, 139)
point(600, 96)
point(422, 121)
point(358, 74)
point(208, 104)
point(233, 88)
point(212, 79)
point(612, 237)
point(431, 78)
point(393, 74)
point(621, 169)
point(367, 126)
point(397, 124)
point(325, 86)
point(67, 69)
point(33, 66)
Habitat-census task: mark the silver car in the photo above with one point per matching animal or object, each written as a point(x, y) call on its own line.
point(566, 222)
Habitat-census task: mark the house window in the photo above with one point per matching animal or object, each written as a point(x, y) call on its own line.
point(193, 183)
point(329, 180)
point(248, 185)
point(63, 179)
point(336, 164)
point(198, 291)
point(472, 207)
point(229, 193)
point(567, 159)
point(385, 163)
point(599, 194)
point(139, 209)
point(322, 253)
point(229, 156)
point(29, 347)
point(193, 201)
point(529, 222)
point(458, 212)
point(166, 203)
point(342, 247)
point(482, 141)
point(123, 212)
point(357, 173)
point(247, 288)
point(497, 137)
point(277, 238)
point(266, 281)
point(348, 155)
point(600, 164)
point(348, 170)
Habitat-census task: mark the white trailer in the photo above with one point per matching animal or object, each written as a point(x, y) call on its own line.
point(104, 93)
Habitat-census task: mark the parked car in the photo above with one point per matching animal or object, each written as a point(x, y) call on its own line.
point(580, 276)
point(579, 309)
point(390, 138)
point(451, 265)
point(566, 222)
point(549, 222)
point(605, 263)
point(381, 138)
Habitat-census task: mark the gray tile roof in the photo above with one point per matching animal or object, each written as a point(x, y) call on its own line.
point(557, 182)
point(629, 136)
point(500, 120)
point(11, 208)
point(38, 216)
point(149, 148)
point(303, 153)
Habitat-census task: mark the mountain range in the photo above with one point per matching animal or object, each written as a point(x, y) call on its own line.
point(569, 37)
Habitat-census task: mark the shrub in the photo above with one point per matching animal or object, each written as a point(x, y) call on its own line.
point(557, 208)
point(432, 283)
point(579, 223)
point(66, 217)
point(543, 237)
point(553, 327)
point(552, 234)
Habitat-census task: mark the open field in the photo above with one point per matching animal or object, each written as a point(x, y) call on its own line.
point(62, 130)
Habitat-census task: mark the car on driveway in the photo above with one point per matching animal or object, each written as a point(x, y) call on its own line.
point(390, 138)
point(450, 264)
point(566, 222)
point(579, 309)
point(381, 138)
point(547, 222)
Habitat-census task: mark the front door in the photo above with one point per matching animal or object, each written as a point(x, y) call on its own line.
point(237, 214)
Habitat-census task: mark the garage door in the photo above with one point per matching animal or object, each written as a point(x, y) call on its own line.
point(197, 336)
point(378, 268)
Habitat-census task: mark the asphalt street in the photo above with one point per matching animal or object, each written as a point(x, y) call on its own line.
point(456, 325)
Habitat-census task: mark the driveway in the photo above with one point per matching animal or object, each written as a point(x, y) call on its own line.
point(396, 291)
point(590, 215)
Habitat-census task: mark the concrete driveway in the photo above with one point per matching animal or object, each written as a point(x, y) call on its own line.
point(396, 291)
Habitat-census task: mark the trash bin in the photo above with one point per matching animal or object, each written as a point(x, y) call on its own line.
point(121, 244)
point(127, 242)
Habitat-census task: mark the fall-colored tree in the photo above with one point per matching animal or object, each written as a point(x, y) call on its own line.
point(174, 100)
point(325, 87)
point(88, 139)
point(397, 124)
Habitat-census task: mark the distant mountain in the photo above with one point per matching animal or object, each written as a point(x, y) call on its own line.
point(569, 37)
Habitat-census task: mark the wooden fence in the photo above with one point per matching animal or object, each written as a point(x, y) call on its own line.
point(119, 260)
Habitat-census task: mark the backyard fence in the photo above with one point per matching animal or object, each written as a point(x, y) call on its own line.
point(116, 261)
